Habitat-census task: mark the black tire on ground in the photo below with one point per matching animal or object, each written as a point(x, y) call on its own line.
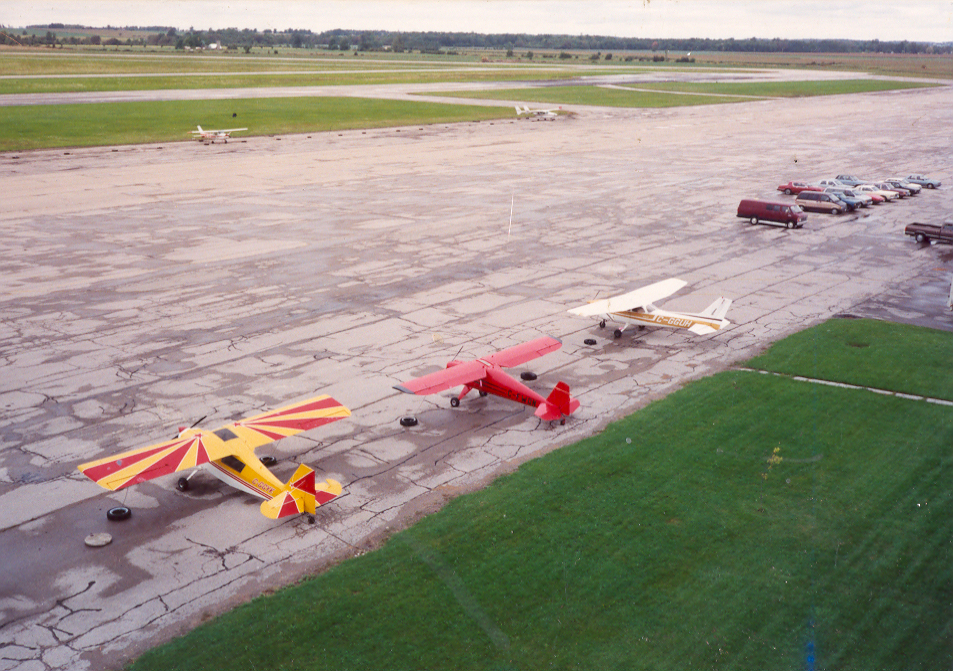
point(182, 485)
point(527, 375)
point(409, 420)
point(118, 513)
point(790, 224)
point(602, 324)
point(617, 333)
point(268, 460)
point(590, 341)
point(454, 402)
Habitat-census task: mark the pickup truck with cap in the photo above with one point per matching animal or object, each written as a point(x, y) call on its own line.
point(928, 232)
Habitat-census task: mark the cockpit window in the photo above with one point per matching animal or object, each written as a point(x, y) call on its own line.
point(225, 434)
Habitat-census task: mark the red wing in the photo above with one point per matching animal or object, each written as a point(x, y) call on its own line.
point(454, 376)
point(528, 351)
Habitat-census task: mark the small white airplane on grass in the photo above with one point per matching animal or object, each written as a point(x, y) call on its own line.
point(546, 112)
point(636, 308)
point(207, 136)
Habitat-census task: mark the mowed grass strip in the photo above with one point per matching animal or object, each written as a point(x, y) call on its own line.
point(908, 359)
point(795, 89)
point(594, 95)
point(743, 522)
point(83, 125)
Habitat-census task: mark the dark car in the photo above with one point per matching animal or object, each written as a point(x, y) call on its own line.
point(798, 187)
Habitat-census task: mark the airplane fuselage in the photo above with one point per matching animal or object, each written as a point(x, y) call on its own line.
point(662, 318)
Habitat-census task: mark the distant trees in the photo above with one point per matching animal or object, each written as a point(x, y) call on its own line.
point(510, 43)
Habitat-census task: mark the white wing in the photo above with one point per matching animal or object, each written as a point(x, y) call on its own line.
point(633, 299)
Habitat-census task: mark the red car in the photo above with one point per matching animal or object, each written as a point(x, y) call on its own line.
point(798, 187)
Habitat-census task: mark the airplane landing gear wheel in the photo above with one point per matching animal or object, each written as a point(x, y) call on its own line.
point(310, 519)
point(118, 513)
point(562, 422)
point(182, 485)
point(483, 394)
point(454, 402)
point(617, 333)
point(602, 324)
point(641, 327)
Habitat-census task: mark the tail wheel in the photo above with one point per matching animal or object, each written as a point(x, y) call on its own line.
point(454, 402)
point(182, 485)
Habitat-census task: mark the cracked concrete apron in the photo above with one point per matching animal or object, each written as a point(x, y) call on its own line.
point(146, 286)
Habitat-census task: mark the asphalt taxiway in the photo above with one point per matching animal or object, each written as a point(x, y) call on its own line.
point(147, 286)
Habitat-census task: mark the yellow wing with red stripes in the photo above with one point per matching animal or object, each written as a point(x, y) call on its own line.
point(195, 447)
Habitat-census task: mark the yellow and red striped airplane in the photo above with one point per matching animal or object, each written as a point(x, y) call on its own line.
point(228, 453)
point(636, 308)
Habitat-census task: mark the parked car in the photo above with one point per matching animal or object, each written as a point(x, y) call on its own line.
point(757, 211)
point(851, 203)
point(852, 198)
point(924, 181)
point(813, 201)
point(927, 232)
point(914, 189)
point(826, 183)
point(884, 186)
point(876, 194)
point(852, 180)
point(798, 187)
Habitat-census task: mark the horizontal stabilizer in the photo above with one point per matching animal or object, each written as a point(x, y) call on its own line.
point(634, 299)
point(302, 496)
point(718, 309)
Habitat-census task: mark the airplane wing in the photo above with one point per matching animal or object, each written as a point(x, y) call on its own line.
point(196, 447)
point(633, 299)
point(454, 376)
point(514, 356)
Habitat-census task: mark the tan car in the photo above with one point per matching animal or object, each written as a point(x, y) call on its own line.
point(812, 201)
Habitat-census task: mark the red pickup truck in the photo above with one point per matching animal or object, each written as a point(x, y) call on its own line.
point(928, 232)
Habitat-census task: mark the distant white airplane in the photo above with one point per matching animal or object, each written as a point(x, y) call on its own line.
point(207, 136)
point(636, 308)
point(545, 112)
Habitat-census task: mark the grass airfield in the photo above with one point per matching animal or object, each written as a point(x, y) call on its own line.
point(745, 521)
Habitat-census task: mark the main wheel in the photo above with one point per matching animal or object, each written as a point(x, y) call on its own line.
point(483, 394)
point(602, 324)
point(617, 333)
point(182, 485)
point(118, 513)
point(454, 402)
point(753, 220)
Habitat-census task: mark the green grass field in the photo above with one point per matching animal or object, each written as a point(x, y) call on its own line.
point(45, 126)
point(673, 94)
point(744, 522)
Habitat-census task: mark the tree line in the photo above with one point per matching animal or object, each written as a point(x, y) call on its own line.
point(443, 42)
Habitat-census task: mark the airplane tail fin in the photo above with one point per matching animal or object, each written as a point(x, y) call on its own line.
point(715, 311)
point(200, 129)
point(302, 495)
point(718, 309)
point(558, 405)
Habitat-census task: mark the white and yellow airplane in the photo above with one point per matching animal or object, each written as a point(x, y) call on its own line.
point(636, 309)
point(207, 136)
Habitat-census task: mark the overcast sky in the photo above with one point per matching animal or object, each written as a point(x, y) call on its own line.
point(915, 20)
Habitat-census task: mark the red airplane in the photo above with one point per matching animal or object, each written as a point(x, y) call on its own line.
point(486, 376)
